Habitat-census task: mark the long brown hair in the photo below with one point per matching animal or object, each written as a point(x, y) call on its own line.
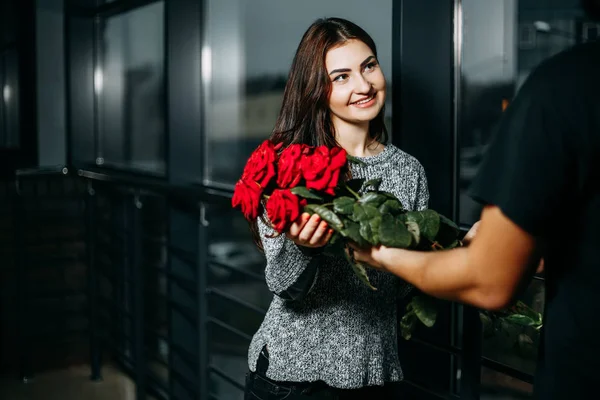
point(305, 116)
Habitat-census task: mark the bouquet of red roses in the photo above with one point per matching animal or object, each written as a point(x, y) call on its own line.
point(302, 178)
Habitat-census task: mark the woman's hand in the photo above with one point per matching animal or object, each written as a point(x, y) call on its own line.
point(310, 231)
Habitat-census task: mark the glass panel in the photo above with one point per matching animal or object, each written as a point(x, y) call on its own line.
point(8, 22)
point(2, 105)
point(9, 99)
point(498, 386)
point(511, 343)
point(503, 41)
point(129, 82)
point(249, 49)
point(238, 293)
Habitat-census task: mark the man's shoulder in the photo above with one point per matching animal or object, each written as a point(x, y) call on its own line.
point(569, 65)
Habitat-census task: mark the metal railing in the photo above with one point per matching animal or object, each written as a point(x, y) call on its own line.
point(170, 289)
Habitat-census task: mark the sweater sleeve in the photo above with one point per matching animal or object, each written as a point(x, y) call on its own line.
point(422, 195)
point(291, 271)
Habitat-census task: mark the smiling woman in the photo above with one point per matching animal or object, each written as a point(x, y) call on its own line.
point(358, 85)
point(327, 333)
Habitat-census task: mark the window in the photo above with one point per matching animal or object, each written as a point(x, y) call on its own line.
point(238, 298)
point(503, 41)
point(497, 56)
point(9, 99)
point(129, 85)
point(246, 59)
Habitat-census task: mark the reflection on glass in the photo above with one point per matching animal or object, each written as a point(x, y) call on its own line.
point(9, 100)
point(503, 41)
point(506, 338)
point(129, 84)
point(246, 60)
point(2, 105)
point(238, 292)
point(496, 385)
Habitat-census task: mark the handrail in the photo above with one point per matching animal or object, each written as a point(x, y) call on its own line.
point(42, 171)
point(197, 191)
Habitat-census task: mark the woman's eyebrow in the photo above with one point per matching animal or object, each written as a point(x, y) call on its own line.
point(362, 64)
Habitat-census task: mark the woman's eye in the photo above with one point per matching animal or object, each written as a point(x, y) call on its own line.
point(340, 78)
point(370, 66)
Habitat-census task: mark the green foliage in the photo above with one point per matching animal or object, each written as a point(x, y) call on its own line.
point(362, 214)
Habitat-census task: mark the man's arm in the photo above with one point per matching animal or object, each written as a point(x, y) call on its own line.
point(487, 274)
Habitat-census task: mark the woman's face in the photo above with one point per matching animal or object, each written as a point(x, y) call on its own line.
point(357, 83)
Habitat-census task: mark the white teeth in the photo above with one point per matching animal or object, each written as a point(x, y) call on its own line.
point(365, 100)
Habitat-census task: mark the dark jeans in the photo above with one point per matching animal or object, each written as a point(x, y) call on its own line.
point(259, 387)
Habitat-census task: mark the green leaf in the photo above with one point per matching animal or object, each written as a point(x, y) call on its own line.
point(354, 160)
point(364, 212)
point(408, 324)
point(369, 230)
point(414, 230)
point(335, 238)
point(360, 271)
point(372, 199)
point(391, 206)
point(352, 232)
point(428, 221)
point(393, 233)
point(522, 308)
point(425, 309)
point(448, 222)
point(375, 183)
point(344, 205)
point(304, 192)
point(519, 319)
point(456, 243)
point(329, 216)
point(448, 233)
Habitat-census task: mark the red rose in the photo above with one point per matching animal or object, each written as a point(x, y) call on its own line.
point(283, 208)
point(261, 165)
point(321, 168)
point(289, 172)
point(246, 196)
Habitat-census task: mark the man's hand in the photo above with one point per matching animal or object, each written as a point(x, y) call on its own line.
point(372, 255)
point(309, 231)
point(471, 234)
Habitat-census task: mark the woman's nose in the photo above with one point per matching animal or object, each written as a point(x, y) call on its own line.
point(363, 85)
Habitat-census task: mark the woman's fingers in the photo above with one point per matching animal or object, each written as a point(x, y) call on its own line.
point(319, 234)
point(327, 237)
point(298, 225)
point(309, 228)
point(310, 231)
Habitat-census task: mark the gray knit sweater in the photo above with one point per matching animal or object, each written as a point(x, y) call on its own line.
point(330, 326)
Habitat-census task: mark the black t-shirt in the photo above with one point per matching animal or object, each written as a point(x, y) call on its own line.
point(542, 170)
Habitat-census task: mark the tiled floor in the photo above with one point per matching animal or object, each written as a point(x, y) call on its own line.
point(69, 384)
